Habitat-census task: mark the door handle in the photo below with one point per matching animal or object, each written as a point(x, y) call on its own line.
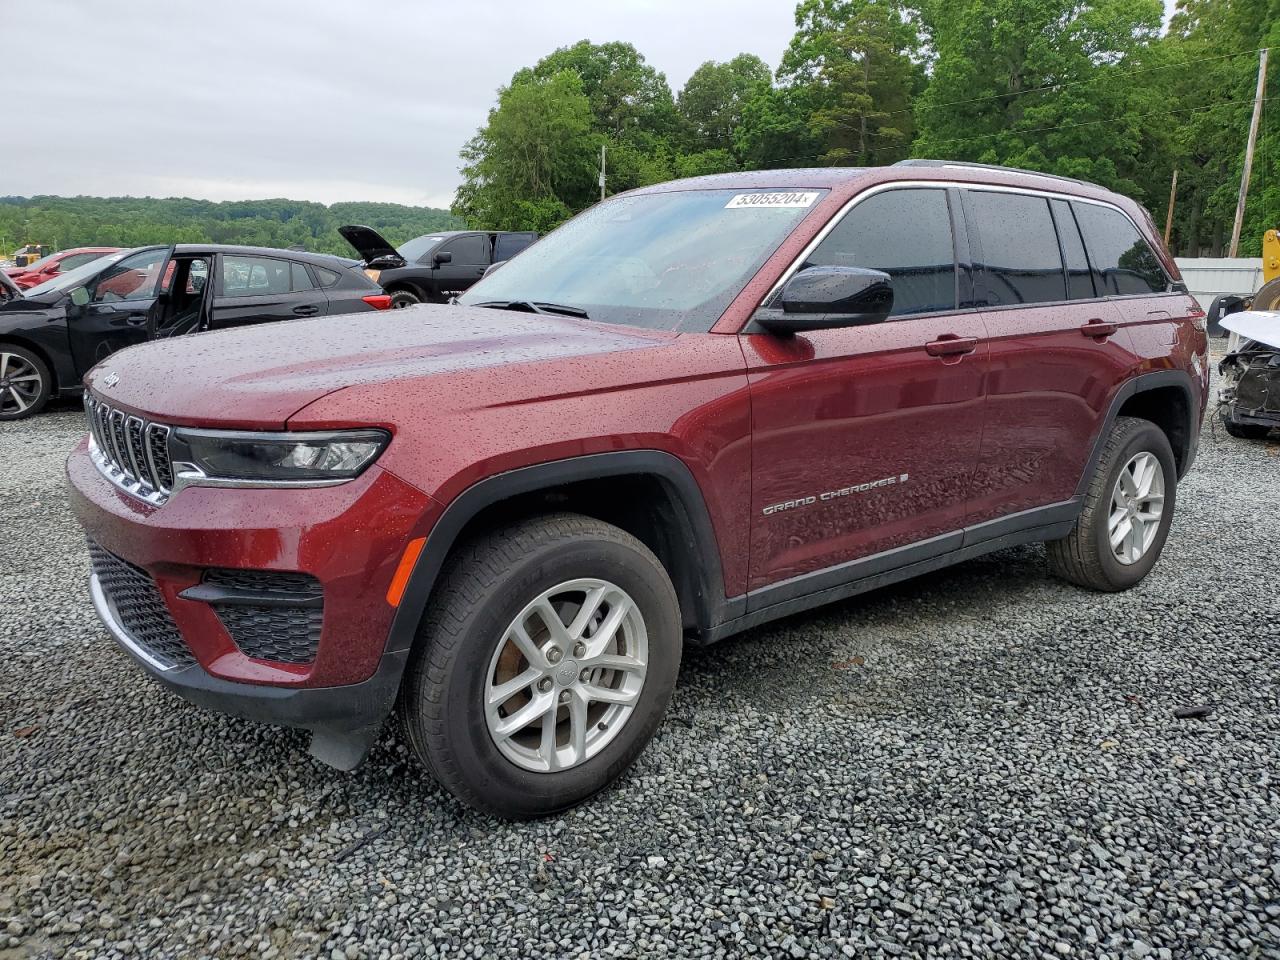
point(136, 319)
point(306, 310)
point(950, 345)
point(1098, 329)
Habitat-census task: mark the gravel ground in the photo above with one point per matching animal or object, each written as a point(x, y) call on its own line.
point(984, 762)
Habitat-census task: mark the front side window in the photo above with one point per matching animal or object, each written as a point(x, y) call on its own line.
point(1020, 259)
point(907, 234)
point(469, 250)
point(133, 278)
point(1123, 262)
point(667, 261)
point(255, 276)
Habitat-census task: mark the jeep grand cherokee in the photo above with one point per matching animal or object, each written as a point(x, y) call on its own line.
point(694, 408)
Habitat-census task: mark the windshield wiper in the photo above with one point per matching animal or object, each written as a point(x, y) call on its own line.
point(536, 306)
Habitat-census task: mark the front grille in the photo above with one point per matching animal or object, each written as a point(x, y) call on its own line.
point(131, 452)
point(269, 615)
point(136, 603)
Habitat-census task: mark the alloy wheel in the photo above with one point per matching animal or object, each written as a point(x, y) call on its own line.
point(1137, 504)
point(566, 675)
point(20, 384)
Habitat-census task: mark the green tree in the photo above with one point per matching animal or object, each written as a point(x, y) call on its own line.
point(712, 102)
point(1044, 84)
point(858, 62)
point(534, 162)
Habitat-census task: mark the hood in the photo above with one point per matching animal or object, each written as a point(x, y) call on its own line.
point(1260, 325)
point(369, 243)
point(257, 377)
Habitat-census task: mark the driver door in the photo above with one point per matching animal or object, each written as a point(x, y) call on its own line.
point(115, 309)
point(469, 257)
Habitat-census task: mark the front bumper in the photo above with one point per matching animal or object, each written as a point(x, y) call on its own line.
point(349, 538)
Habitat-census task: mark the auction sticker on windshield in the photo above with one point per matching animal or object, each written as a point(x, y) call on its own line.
point(792, 199)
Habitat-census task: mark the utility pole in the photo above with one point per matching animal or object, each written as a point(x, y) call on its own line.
point(1168, 221)
point(602, 171)
point(1248, 153)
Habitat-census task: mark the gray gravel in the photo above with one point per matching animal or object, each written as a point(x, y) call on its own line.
point(981, 763)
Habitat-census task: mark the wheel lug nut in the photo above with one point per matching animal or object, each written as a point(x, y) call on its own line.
point(544, 684)
point(584, 676)
point(554, 655)
point(579, 649)
point(564, 696)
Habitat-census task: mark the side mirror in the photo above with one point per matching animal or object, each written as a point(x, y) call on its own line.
point(79, 296)
point(823, 298)
point(439, 258)
point(1221, 307)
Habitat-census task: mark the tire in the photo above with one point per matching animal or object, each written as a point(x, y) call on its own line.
point(22, 396)
point(404, 298)
point(463, 645)
point(1086, 556)
point(1244, 431)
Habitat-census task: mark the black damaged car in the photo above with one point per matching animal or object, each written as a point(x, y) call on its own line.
point(52, 335)
point(435, 266)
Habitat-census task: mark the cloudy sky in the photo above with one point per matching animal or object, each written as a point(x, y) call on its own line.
point(317, 100)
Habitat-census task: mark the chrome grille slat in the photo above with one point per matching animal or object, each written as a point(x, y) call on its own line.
point(130, 451)
point(137, 453)
point(118, 444)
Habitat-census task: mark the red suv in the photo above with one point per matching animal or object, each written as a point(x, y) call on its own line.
point(55, 264)
point(695, 408)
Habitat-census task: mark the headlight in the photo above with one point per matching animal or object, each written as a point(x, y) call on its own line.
point(236, 458)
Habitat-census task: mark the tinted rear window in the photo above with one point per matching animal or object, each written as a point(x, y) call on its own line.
point(1020, 260)
point(1123, 262)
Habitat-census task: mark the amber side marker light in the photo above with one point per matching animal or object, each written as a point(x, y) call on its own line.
point(395, 592)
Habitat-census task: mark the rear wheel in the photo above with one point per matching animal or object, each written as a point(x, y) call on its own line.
point(1127, 511)
point(404, 298)
point(25, 383)
point(544, 665)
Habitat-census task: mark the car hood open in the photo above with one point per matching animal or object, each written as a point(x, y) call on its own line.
point(1260, 325)
point(257, 377)
point(369, 243)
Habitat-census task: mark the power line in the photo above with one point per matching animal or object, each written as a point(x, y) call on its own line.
point(1063, 126)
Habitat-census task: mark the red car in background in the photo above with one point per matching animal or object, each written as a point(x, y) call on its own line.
point(46, 268)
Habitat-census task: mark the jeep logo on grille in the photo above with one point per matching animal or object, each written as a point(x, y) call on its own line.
point(111, 379)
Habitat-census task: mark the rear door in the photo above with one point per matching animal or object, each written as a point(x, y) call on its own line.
point(1157, 319)
point(507, 245)
point(1056, 351)
point(865, 439)
point(114, 310)
point(258, 289)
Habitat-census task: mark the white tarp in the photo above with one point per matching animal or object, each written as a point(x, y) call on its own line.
point(1260, 325)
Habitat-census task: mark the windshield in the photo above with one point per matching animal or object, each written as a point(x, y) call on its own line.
point(668, 261)
point(413, 249)
point(74, 278)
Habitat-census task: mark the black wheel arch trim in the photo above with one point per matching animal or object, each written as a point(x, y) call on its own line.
point(710, 603)
point(1141, 384)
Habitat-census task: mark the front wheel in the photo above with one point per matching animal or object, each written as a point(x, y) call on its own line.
point(25, 383)
point(543, 666)
point(404, 298)
point(1128, 507)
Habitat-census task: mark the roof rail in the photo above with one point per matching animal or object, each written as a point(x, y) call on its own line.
point(966, 164)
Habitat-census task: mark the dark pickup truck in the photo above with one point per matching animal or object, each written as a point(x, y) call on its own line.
point(431, 268)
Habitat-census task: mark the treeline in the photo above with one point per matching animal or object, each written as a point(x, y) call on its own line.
point(1081, 88)
point(64, 222)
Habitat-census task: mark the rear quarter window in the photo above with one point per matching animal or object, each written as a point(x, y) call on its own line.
point(1123, 262)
